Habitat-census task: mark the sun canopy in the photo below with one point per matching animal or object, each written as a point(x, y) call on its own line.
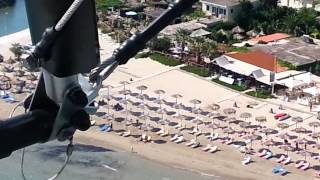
point(199, 33)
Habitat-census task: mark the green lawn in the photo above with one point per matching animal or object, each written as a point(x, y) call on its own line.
point(164, 59)
point(238, 49)
point(142, 55)
point(204, 72)
point(108, 3)
point(232, 86)
point(261, 95)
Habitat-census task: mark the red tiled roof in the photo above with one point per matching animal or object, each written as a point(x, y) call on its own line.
point(271, 37)
point(259, 59)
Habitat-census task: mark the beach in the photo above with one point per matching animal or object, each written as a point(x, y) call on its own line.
point(226, 163)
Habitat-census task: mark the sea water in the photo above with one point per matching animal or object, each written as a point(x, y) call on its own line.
point(90, 162)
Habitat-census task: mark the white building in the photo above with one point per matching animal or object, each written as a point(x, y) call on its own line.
point(297, 4)
point(226, 9)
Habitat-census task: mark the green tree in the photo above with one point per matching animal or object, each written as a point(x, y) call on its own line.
point(291, 23)
point(17, 50)
point(197, 46)
point(160, 44)
point(181, 37)
point(245, 15)
point(266, 4)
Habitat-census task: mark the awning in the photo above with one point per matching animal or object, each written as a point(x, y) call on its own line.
point(199, 33)
point(221, 61)
point(257, 73)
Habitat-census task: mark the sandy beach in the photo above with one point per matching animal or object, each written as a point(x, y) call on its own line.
point(226, 162)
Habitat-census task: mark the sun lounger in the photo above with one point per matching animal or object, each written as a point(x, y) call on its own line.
point(281, 158)
point(299, 164)
point(286, 160)
point(305, 166)
point(284, 117)
point(213, 136)
point(207, 147)
point(166, 133)
point(198, 133)
point(92, 122)
point(126, 134)
point(182, 128)
point(228, 142)
point(191, 142)
point(160, 132)
point(174, 137)
point(277, 116)
point(213, 149)
point(246, 160)
point(194, 130)
point(178, 125)
point(105, 127)
point(3, 94)
point(195, 145)
point(180, 139)
point(268, 155)
point(262, 153)
point(279, 170)
point(10, 99)
point(317, 174)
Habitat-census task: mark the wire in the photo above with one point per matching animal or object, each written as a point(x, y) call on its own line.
point(68, 14)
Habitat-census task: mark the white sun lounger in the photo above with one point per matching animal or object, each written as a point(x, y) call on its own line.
point(213, 149)
point(126, 134)
point(166, 133)
point(194, 130)
point(180, 139)
point(191, 142)
point(207, 147)
point(286, 161)
point(281, 158)
point(174, 137)
point(195, 145)
point(246, 160)
point(160, 132)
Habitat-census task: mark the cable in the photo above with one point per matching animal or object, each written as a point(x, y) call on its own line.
point(68, 14)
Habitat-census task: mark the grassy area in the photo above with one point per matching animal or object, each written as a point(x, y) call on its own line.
point(164, 59)
point(259, 94)
point(204, 72)
point(232, 86)
point(196, 14)
point(142, 55)
point(238, 49)
point(108, 3)
point(284, 63)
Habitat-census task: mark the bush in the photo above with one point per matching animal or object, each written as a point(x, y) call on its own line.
point(284, 63)
point(203, 72)
point(106, 30)
point(196, 14)
point(101, 4)
point(260, 94)
point(238, 49)
point(164, 59)
point(232, 86)
point(142, 55)
point(160, 44)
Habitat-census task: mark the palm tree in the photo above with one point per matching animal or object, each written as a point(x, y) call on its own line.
point(197, 45)
point(182, 37)
point(17, 50)
point(291, 23)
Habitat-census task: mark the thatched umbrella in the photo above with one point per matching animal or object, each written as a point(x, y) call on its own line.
point(19, 73)
point(4, 78)
point(5, 85)
point(159, 92)
point(287, 148)
point(297, 119)
point(300, 130)
point(269, 143)
point(237, 30)
point(267, 131)
point(228, 131)
point(124, 83)
point(214, 107)
point(177, 96)
point(245, 115)
point(142, 88)
point(314, 124)
point(31, 77)
point(197, 121)
point(252, 138)
point(229, 111)
point(261, 119)
point(195, 102)
point(159, 102)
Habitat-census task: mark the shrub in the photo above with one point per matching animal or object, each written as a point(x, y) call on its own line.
point(164, 59)
point(203, 72)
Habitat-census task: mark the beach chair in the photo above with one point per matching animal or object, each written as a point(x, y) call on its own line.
point(198, 133)
point(213, 149)
point(126, 134)
point(149, 138)
point(194, 130)
point(92, 122)
point(305, 166)
point(279, 170)
point(191, 142)
point(160, 132)
point(180, 139)
point(105, 127)
point(174, 137)
point(10, 99)
point(3, 94)
point(262, 153)
point(182, 128)
point(281, 158)
point(286, 160)
point(166, 133)
point(144, 137)
point(207, 147)
point(268, 155)
point(277, 116)
point(195, 145)
point(178, 125)
point(299, 164)
point(228, 142)
point(246, 160)
point(316, 174)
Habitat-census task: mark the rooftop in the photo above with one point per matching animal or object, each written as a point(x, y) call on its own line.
point(259, 59)
point(293, 50)
point(224, 2)
point(270, 38)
